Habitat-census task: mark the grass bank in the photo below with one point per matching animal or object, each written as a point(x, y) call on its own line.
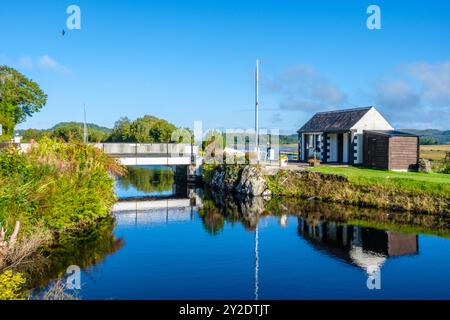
point(49, 194)
point(416, 192)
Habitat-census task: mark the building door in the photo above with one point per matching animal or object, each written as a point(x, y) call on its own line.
point(305, 147)
point(340, 147)
point(371, 152)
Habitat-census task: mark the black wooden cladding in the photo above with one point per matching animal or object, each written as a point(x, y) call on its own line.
point(389, 151)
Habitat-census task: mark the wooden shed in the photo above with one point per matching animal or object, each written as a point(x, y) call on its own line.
point(391, 150)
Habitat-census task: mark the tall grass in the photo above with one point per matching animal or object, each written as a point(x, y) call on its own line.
point(55, 188)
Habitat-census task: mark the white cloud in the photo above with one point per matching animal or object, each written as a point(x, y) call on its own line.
point(434, 80)
point(416, 96)
point(45, 62)
point(396, 94)
point(291, 103)
point(302, 87)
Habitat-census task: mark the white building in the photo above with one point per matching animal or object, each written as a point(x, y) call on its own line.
point(337, 136)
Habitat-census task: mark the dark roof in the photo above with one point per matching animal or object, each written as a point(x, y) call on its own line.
point(393, 133)
point(339, 120)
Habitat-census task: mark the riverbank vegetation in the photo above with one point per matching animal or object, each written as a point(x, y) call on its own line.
point(53, 192)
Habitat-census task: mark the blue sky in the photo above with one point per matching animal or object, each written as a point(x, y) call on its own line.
point(194, 60)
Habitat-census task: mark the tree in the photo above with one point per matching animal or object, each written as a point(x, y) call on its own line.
point(147, 129)
point(74, 131)
point(20, 97)
point(428, 141)
point(68, 132)
point(33, 134)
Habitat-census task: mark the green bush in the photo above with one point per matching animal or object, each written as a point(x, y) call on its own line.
point(66, 186)
point(12, 286)
point(446, 169)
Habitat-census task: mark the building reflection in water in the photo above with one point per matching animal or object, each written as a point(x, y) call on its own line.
point(366, 248)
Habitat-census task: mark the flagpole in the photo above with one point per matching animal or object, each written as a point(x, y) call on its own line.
point(257, 109)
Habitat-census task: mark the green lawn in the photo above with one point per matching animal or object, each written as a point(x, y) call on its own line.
point(427, 182)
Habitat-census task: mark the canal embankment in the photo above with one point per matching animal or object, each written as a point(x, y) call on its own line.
point(395, 191)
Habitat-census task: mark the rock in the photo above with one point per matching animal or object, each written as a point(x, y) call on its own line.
point(248, 181)
point(252, 182)
point(225, 178)
point(252, 208)
point(424, 165)
point(218, 180)
point(267, 193)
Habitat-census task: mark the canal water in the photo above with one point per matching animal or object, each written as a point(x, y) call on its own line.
point(169, 242)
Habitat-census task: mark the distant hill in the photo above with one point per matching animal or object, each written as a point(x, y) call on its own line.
point(288, 139)
point(92, 126)
point(431, 136)
point(68, 131)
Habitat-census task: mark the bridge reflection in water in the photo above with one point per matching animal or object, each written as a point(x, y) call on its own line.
point(142, 211)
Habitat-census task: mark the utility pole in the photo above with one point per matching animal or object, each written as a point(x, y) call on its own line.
point(85, 130)
point(257, 109)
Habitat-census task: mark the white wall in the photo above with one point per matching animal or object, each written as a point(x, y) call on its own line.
point(303, 147)
point(321, 146)
point(333, 147)
point(359, 148)
point(372, 120)
point(345, 148)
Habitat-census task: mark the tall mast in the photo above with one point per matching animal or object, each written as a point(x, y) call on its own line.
point(85, 130)
point(257, 109)
point(257, 261)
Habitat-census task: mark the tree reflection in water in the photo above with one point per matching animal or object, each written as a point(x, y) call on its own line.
point(148, 179)
point(84, 250)
point(219, 208)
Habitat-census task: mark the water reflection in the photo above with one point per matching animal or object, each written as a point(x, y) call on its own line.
point(146, 181)
point(195, 244)
point(218, 207)
point(85, 250)
point(366, 248)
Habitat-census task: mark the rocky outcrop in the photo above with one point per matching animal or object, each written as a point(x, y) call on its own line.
point(246, 181)
point(252, 182)
point(424, 165)
point(225, 178)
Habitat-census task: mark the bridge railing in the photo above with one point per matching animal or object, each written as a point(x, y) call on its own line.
point(168, 150)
